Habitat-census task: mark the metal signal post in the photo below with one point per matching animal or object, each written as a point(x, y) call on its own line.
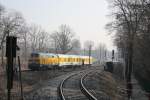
point(10, 54)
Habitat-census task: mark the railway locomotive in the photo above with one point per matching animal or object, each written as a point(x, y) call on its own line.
point(39, 61)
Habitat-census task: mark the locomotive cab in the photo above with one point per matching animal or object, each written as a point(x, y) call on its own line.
point(34, 61)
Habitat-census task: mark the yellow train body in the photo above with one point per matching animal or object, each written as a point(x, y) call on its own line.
point(49, 60)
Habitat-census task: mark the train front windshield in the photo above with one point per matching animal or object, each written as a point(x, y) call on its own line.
point(34, 58)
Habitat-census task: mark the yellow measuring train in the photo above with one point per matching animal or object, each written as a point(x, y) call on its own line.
point(39, 61)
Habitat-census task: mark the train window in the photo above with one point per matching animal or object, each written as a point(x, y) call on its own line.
point(85, 60)
point(34, 55)
point(64, 59)
point(68, 59)
point(71, 59)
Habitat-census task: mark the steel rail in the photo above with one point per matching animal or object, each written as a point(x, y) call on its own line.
point(85, 90)
point(60, 90)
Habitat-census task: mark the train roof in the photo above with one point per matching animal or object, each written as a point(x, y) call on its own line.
point(60, 55)
point(44, 54)
point(65, 55)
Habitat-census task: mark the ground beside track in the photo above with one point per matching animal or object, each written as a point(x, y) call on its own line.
point(42, 85)
point(33, 80)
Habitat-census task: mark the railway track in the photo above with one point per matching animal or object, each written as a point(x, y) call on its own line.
point(85, 90)
point(68, 86)
point(90, 89)
point(72, 88)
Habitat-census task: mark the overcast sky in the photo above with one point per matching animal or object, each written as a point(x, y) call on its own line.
point(87, 18)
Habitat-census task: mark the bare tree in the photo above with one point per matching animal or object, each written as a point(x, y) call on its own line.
point(10, 25)
point(23, 40)
point(101, 52)
point(127, 20)
point(128, 17)
point(2, 12)
point(2, 78)
point(43, 41)
point(63, 39)
point(76, 46)
point(1, 26)
point(34, 32)
point(38, 38)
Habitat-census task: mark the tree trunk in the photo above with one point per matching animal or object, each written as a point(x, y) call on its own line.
point(129, 74)
point(2, 56)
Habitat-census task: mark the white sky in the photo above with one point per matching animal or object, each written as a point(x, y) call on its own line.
point(87, 18)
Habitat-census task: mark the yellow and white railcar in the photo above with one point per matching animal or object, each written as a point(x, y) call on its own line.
point(69, 60)
point(64, 60)
point(49, 60)
point(87, 60)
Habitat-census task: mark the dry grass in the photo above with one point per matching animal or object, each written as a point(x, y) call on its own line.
point(109, 85)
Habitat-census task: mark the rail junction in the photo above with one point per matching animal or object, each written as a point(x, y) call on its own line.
point(79, 91)
point(71, 86)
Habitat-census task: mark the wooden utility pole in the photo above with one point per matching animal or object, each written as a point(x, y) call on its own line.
point(90, 47)
point(113, 52)
point(20, 78)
